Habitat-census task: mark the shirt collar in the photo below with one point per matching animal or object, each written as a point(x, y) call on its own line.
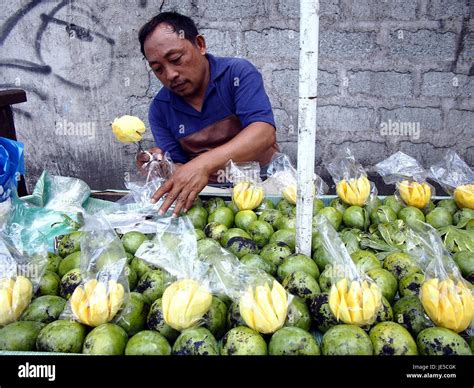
point(217, 66)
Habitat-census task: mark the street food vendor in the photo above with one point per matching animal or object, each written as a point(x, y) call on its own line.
point(210, 110)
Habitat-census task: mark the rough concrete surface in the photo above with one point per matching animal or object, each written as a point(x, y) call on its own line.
point(381, 61)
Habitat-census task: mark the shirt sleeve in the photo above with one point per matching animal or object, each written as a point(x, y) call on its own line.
point(164, 139)
point(251, 101)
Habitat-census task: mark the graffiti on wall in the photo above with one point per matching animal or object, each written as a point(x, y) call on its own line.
point(65, 40)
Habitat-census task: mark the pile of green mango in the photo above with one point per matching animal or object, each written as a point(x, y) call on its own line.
point(264, 239)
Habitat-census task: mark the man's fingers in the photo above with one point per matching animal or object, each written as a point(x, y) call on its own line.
point(143, 157)
point(155, 150)
point(189, 202)
point(170, 198)
point(165, 187)
point(180, 203)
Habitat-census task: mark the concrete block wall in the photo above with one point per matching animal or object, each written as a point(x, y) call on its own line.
point(384, 64)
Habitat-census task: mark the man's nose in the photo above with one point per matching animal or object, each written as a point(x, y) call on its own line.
point(171, 74)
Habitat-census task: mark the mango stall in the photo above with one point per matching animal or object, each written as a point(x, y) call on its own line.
point(384, 277)
point(268, 267)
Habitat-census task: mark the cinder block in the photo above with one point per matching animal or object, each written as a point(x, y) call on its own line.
point(381, 83)
point(422, 45)
point(439, 84)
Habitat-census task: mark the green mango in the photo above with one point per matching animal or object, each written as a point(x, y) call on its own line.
point(134, 314)
point(44, 309)
point(147, 343)
point(20, 336)
point(69, 243)
point(107, 339)
point(61, 337)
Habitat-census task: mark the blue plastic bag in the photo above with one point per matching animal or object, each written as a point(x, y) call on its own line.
point(12, 165)
point(28, 225)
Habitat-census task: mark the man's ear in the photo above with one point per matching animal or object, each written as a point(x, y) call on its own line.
point(201, 44)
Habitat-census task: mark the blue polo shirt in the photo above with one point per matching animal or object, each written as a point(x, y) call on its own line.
point(235, 89)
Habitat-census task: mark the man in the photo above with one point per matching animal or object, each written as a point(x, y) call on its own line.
point(209, 111)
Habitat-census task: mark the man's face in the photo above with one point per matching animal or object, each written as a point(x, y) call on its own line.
point(178, 64)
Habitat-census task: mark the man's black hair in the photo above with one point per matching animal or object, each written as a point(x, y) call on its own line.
point(179, 23)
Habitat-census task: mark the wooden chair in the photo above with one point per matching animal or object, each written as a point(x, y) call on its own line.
point(7, 124)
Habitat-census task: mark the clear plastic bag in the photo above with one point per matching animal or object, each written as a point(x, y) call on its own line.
point(104, 289)
point(456, 239)
point(128, 220)
point(20, 275)
point(5, 208)
point(386, 239)
point(247, 191)
point(409, 177)
point(456, 178)
point(51, 211)
point(263, 302)
point(188, 295)
point(153, 174)
point(174, 248)
point(59, 193)
point(135, 212)
point(354, 298)
point(281, 171)
point(64, 193)
point(446, 297)
point(213, 271)
point(352, 184)
point(27, 224)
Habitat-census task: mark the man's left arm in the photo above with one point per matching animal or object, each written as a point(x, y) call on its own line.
point(253, 108)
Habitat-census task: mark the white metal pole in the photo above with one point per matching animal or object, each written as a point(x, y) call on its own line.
point(308, 87)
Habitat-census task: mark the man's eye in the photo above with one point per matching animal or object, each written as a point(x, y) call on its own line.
point(157, 69)
point(176, 60)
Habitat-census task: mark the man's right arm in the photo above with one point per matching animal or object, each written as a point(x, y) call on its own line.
point(164, 139)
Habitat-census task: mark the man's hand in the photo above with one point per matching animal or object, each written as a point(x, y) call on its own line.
point(189, 179)
point(143, 157)
point(183, 186)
